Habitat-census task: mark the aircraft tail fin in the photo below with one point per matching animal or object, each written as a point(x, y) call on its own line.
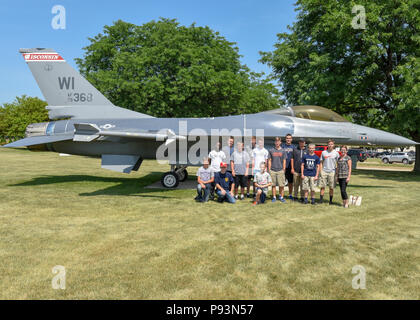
point(68, 94)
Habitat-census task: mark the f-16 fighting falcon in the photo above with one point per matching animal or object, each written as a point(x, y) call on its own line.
point(93, 126)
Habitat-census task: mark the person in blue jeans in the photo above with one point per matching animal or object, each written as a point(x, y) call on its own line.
point(224, 184)
point(205, 178)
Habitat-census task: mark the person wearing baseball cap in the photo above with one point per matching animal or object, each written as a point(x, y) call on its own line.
point(224, 184)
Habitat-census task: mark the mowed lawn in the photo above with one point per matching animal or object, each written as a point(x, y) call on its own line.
point(120, 240)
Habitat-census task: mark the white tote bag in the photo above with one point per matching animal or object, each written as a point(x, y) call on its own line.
point(355, 200)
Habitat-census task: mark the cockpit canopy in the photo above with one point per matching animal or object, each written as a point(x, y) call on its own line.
point(309, 112)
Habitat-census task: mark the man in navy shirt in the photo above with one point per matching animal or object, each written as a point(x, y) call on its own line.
point(310, 172)
point(288, 150)
point(224, 184)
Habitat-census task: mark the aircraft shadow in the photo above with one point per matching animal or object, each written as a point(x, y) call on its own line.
point(124, 187)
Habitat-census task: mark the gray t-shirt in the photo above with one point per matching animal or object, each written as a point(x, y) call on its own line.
point(205, 174)
point(277, 156)
point(262, 179)
point(240, 160)
point(329, 160)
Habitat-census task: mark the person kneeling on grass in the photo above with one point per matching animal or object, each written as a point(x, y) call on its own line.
point(262, 181)
point(205, 178)
point(310, 172)
point(224, 184)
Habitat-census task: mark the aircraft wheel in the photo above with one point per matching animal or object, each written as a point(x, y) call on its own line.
point(170, 180)
point(183, 175)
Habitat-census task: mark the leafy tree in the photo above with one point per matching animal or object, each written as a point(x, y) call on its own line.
point(168, 70)
point(368, 74)
point(16, 116)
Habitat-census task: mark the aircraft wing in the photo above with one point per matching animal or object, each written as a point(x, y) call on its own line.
point(35, 140)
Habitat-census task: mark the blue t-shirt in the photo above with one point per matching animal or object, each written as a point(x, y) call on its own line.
point(223, 179)
point(309, 165)
point(288, 150)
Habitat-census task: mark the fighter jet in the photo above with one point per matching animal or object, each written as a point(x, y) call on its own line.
point(93, 126)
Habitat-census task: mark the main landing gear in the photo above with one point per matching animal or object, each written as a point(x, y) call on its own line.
point(172, 178)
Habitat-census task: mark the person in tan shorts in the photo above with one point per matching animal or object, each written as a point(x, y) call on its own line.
point(276, 168)
point(329, 160)
point(296, 162)
point(310, 172)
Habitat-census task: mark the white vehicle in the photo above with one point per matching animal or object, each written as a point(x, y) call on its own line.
point(402, 157)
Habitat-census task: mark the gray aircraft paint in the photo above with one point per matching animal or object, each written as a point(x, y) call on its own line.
point(123, 137)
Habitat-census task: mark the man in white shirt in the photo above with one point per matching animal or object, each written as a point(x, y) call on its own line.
point(329, 160)
point(216, 157)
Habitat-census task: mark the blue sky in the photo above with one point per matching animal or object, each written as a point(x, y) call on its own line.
point(252, 24)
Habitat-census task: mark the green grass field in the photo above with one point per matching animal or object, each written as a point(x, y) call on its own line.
point(120, 240)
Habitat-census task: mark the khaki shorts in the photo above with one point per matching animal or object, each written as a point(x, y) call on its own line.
point(278, 178)
point(327, 179)
point(308, 184)
point(297, 182)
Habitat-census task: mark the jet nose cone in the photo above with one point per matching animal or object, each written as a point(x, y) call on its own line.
point(368, 135)
point(390, 139)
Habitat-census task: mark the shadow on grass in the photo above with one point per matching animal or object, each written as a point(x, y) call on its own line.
point(398, 176)
point(125, 186)
point(367, 186)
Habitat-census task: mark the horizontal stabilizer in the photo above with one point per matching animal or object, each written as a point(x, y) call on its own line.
point(32, 141)
point(119, 163)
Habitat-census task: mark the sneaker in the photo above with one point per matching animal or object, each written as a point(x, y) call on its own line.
point(295, 199)
point(330, 203)
point(282, 199)
point(278, 197)
point(242, 197)
point(247, 195)
point(305, 201)
point(313, 202)
point(301, 200)
point(254, 203)
point(290, 197)
point(236, 197)
point(273, 200)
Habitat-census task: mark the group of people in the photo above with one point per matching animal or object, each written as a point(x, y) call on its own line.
point(225, 170)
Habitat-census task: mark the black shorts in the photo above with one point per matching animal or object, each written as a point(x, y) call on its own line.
point(289, 175)
point(240, 180)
